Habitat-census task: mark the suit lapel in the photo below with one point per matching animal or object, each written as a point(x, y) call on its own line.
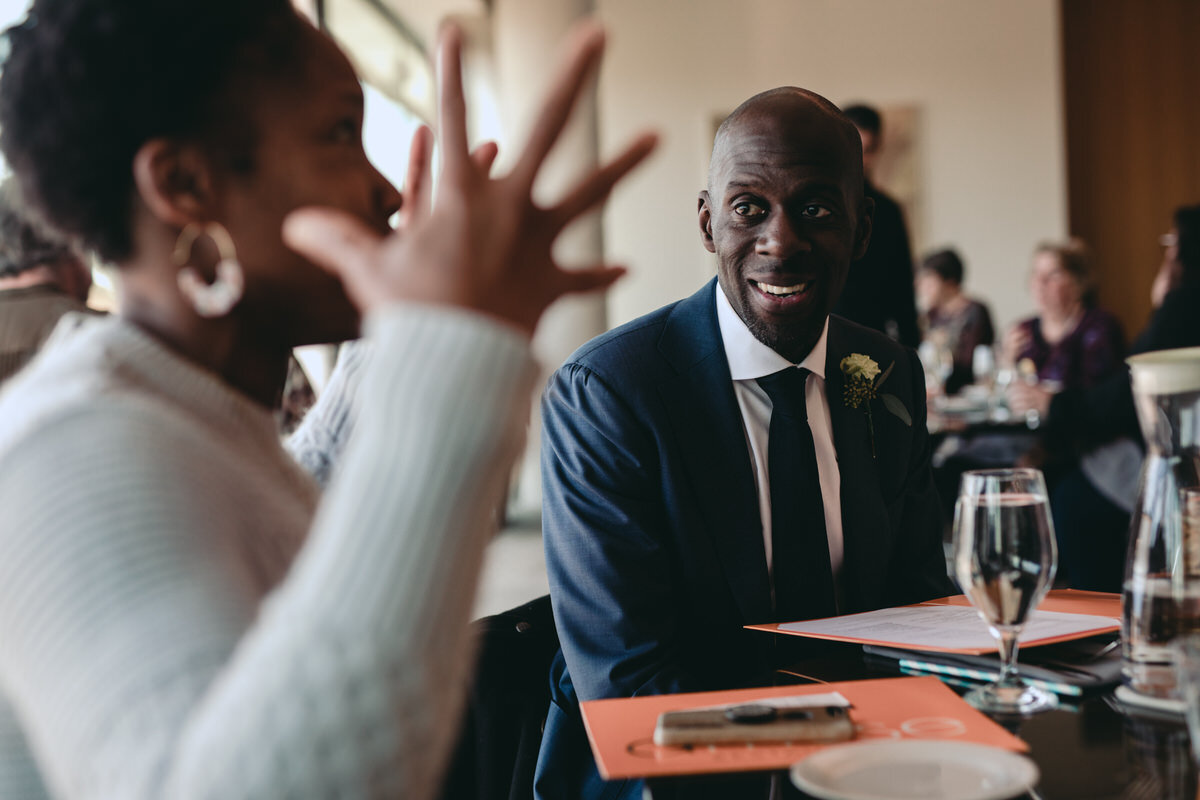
point(863, 510)
point(707, 423)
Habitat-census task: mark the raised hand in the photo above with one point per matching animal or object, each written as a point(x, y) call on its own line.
point(483, 244)
point(1016, 339)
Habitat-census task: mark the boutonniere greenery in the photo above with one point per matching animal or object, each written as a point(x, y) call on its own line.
point(863, 382)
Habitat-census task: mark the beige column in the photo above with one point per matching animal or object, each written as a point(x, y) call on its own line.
point(527, 39)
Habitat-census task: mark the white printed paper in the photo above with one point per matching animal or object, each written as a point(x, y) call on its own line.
point(942, 627)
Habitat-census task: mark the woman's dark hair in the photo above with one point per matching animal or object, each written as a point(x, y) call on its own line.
point(1187, 229)
point(25, 244)
point(87, 82)
point(946, 264)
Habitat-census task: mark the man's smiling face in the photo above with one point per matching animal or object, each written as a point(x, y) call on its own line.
point(785, 215)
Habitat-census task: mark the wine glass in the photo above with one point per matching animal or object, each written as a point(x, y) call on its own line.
point(983, 365)
point(1004, 379)
point(945, 364)
point(928, 355)
point(1005, 558)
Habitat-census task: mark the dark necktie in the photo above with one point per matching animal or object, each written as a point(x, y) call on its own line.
point(800, 551)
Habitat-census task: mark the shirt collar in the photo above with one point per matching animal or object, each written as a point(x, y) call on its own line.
point(750, 359)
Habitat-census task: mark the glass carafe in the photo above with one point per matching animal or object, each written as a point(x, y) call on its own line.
point(1161, 597)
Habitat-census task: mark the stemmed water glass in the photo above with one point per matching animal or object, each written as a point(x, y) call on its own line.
point(1005, 558)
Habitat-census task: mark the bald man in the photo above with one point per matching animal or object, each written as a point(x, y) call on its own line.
point(704, 467)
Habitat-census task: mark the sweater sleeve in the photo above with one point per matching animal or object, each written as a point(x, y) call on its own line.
point(317, 444)
point(348, 679)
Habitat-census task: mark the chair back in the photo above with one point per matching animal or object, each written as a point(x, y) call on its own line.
point(506, 708)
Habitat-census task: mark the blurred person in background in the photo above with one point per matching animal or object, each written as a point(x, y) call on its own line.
point(879, 287)
point(1069, 342)
point(41, 278)
point(184, 614)
point(952, 321)
point(1094, 431)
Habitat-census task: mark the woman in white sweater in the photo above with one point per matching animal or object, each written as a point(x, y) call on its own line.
point(181, 614)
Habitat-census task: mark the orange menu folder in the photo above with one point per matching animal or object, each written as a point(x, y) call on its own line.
point(621, 730)
point(1104, 606)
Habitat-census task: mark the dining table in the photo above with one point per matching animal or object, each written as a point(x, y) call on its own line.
point(973, 430)
point(1089, 748)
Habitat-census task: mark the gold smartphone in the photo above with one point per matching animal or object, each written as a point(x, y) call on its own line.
point(754, 722)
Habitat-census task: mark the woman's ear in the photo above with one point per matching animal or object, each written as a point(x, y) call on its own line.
point(173, 181)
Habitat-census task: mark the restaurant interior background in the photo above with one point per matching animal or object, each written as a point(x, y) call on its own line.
point(1023, 120)
point(1031, 119)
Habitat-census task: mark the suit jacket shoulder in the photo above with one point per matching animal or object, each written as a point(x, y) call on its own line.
point(606, 348)
point(665, 343)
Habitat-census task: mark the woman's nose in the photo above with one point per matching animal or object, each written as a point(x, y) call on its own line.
point(389, 198)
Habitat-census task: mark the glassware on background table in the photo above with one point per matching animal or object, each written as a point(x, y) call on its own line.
point(927, 354)
point(938, 364)
point(983, 365)
point(1005, 558)
point(1162, 572)
point(999, 406)
point(945, 364)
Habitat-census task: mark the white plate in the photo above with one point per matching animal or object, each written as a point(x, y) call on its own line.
point(925, 769)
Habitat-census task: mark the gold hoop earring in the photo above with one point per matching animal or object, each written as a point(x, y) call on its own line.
point(218, 298)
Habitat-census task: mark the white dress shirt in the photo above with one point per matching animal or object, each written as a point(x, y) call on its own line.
point(749, 359)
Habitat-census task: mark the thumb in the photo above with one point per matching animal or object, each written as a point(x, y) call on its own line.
point(334, 240)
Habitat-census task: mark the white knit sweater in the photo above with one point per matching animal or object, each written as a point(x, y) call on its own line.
point(179, 618)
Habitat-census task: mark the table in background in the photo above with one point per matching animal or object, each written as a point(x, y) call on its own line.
point(972, 436)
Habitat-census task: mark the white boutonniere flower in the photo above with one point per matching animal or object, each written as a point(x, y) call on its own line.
point(863, 381)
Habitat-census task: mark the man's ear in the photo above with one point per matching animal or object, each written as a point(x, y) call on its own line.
point(862, 235)
point(174, 181)
point(705, 218)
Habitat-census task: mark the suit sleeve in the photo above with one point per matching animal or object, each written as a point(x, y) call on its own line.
point(919, 569)
point(610, 576)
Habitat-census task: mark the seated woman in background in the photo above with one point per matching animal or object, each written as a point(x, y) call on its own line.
point(951, 320)
point(1070, 342)
point(183, 615)
point(1095, 430)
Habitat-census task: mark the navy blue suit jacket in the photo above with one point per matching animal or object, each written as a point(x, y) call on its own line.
point(654, 543)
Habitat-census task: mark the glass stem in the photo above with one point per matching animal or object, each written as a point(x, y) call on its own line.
point(1008, 656)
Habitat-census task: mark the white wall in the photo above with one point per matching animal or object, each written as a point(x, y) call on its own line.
point(984, 74)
